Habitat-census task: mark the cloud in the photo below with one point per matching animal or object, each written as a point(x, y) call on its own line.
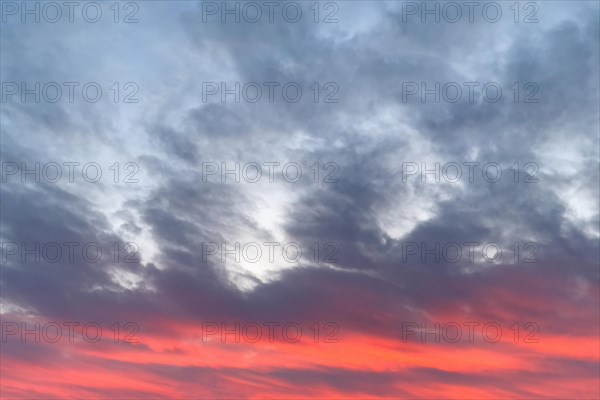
point(367, 216)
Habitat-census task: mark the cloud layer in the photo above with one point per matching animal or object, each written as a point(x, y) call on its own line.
point(380, 288)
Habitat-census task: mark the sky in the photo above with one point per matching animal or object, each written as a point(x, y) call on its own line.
point(309, 199)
